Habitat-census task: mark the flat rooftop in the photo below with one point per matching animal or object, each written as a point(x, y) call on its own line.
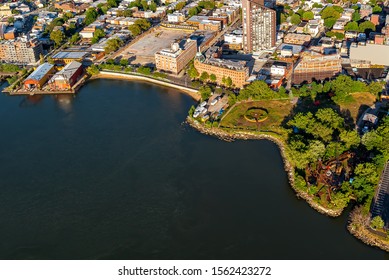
point(69, 55)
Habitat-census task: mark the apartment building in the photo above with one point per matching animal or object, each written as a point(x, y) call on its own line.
point(259, 26)
point(20, 51)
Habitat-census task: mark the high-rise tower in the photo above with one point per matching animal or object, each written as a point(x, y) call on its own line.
point(259, 26)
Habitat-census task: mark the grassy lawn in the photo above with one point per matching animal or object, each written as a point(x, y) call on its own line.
point(280, 110)
point(277, 111)
point(362, 101)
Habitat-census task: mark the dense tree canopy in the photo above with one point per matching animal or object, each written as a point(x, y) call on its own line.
point(257, 90)
point(113, 44)
point(90, 16)
point(57, 36)
point(295, 19)
point(330, 12)
point(366, 26)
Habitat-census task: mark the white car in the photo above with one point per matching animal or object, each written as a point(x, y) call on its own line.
point(203, 103)
point(196, 114)
point(214, 101)
point(204, 110)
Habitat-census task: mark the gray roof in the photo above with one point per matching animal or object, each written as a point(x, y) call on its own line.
point(40, 72)
point(74, 55)
point(67, 72)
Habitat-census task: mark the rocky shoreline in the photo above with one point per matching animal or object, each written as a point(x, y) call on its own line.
point(361, 232)
point(226, 136)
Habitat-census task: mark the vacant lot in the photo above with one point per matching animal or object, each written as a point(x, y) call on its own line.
point(143, 51)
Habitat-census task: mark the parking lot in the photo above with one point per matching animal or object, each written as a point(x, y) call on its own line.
point(213, 108)
point(143, 51)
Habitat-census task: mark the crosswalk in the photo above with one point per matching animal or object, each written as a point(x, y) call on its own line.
point(382, 192)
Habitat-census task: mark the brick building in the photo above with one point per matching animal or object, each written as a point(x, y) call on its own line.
point(177, 57)
point(67, 77)
point(213, 63)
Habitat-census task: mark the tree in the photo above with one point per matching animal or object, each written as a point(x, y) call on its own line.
point(372, 140)
point(113, 44)
point(377, 9)
point(41, 59)
point(104, 9)
point(295, 19)
point(228, 82)
point(365, 180)
point(366, 25)
point(329, 117)
point(57, 36)
point(351, 26)
point(135, 29)
point(192, 71)
point(11, 20)
point(112, 3)
point(205, 92)
point(308, 15)
point(350, 138)
point(75, 38)
point(356, 16)
point(124, 62)
point(92, 70)
point(257, 90)
point(50, 60)
point(330, 12)
point(144, 24)
point(180, 5)
point(329, 22)
point(204, 76)
point(90, 16)
point(144, 5)
point(282, 18)
point(375, 88)
point(377, 223)
point(144, 70)
point(153, 6)
point(212, 77)
point(193, 11)
point(98, 34)
point(337, 35)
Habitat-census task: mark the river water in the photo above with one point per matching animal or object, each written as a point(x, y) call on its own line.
point(113, 173)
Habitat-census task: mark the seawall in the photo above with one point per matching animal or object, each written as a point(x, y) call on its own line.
point(111, 75)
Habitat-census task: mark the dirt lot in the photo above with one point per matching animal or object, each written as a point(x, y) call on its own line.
point(142, 51)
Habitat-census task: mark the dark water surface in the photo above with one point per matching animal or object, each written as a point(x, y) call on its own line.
point(114, 174)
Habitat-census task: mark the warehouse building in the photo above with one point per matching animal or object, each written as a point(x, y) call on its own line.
point(67, 77)
point(63, 58)
point(39, 77)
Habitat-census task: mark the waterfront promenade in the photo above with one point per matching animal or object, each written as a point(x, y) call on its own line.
point(167, 83)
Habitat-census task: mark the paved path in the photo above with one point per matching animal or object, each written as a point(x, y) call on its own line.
point(381, 199)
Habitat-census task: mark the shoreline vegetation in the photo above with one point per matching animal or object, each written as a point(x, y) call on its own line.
point(231, 136)
point(358, 223)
